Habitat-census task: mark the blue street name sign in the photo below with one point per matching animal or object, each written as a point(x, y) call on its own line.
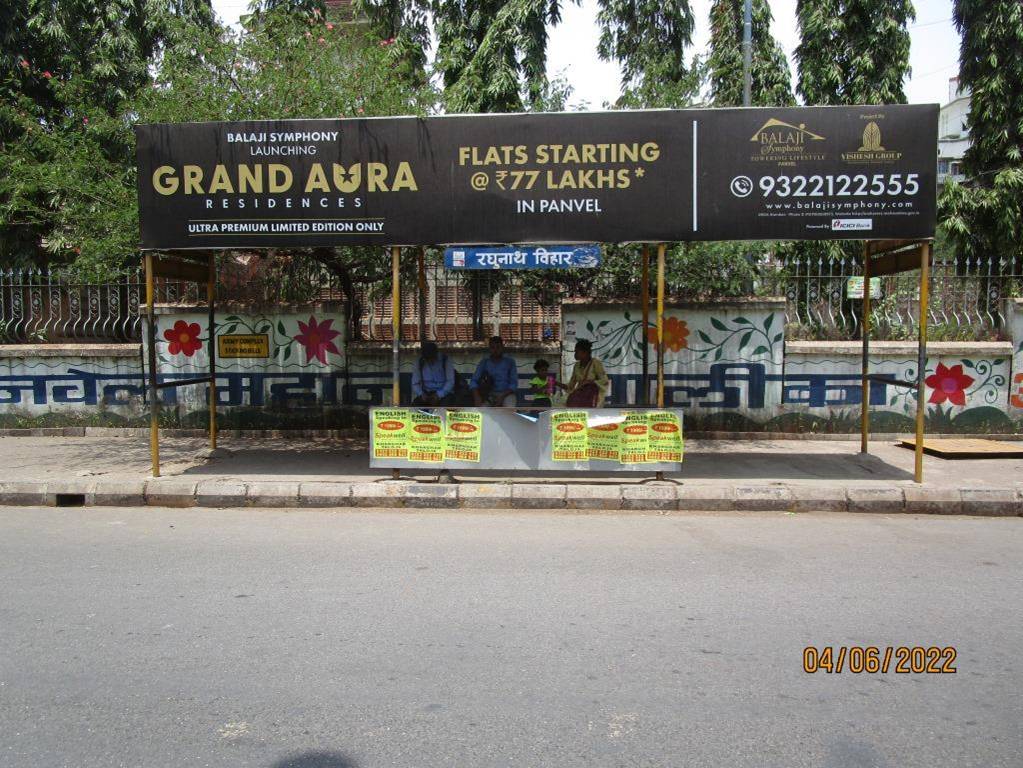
point(523, 257)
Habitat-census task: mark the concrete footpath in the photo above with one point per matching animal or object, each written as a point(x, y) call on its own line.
point(718, 475)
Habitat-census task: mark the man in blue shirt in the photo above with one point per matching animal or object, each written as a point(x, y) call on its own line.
point(496, 378)
point(433, 378)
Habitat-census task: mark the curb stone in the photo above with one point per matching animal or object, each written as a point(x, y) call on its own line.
point(220, 493)
point(660, 497)
point(170, 493)
point(431, 496)
point(706, 498)
point(933, 501)
point(538, 496)
point(119, 493)
point(990, 501)
point(223, 492)
point(485, 495)
point(324, 494)
point(763, 498)
point(23, 493)
point(272, 494)
point(386, 494)
point(86, 488)
point(808, 498)
point(593, 496)
point(884, 500)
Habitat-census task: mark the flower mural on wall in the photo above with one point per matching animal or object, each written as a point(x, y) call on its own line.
point(183, 338)
point(948, 384)
point(676, 334)
point(316, 338)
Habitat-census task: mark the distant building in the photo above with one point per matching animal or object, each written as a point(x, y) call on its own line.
point(953, 132)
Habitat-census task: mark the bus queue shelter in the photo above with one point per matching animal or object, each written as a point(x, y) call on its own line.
point(651, 177)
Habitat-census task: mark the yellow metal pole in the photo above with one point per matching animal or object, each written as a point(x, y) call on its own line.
point(865, 366)
point(395, 325)
point(154, 404)
point(921, 363)
point(645, 302)
point(661, 248)
point(211, 292)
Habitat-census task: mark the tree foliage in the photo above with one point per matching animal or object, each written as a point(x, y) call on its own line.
point(853, 51)
point(984, 217)
point(63, 61)
point(492, 54)
point(771, 82)
point(72, 176)
point(649, 40)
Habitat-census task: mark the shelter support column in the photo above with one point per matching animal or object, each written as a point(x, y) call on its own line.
point(865, 366)
point(395, 325)
point(211, 295)
point(645, 303)
point(154, 402)
point(921, 360)
point(661, 248)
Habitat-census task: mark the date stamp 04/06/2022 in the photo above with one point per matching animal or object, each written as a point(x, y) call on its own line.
point(872, 659)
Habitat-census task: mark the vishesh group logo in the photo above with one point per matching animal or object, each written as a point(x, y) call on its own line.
point(844, 225)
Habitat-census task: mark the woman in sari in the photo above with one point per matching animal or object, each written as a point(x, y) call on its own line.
point(589, 383)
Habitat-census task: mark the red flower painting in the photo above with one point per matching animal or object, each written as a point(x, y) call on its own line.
point(316, 338)
point(183, 338)
point(948, 384)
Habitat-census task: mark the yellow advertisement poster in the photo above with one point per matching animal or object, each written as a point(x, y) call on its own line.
point(426, 437)
point(463, 436)
point(605, 441)
point(634, 438)
point(664, 436)
point(568, 436)
point(390, 433)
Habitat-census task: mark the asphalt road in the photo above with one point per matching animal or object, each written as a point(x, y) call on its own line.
point(316, 639)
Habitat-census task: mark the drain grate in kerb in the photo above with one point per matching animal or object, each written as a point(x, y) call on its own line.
point(70, 499)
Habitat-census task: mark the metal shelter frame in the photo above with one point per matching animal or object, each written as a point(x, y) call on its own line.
point(889, 257)
point(880, 257)
point(179, 267)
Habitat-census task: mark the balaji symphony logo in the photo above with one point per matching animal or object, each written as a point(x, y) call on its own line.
point(871, 150)
point(785, 143)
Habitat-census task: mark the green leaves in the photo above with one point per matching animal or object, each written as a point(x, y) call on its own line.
point(853, 51)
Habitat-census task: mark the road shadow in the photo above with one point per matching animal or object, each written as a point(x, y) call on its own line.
point(316, 760)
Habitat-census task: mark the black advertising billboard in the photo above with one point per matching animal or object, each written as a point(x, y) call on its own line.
point(659, 175)
point(815, 173)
